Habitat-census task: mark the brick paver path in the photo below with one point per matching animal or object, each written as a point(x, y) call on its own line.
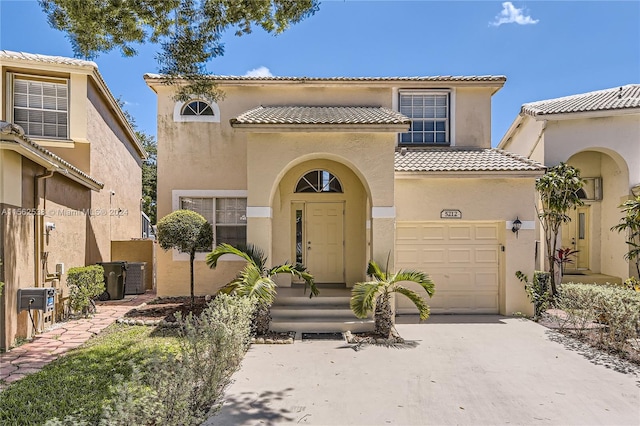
point(51, 344)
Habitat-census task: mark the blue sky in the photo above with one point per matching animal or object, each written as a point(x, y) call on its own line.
point(546, 49)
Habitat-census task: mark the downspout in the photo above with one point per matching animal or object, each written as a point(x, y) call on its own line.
point(38, 231)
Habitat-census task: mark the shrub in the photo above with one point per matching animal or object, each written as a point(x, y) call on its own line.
point(538, 291)
point(185, 388)
point(85, 283)
point(615, 307)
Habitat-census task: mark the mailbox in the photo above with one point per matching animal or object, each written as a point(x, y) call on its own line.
point(36, 298)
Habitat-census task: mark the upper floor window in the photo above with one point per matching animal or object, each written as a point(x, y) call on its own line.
point(430, 118)
point(319, 181)
point(41, 107)
point(197, 108)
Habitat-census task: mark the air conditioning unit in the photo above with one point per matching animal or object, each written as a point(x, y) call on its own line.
point(36, 298)
point(592, 189)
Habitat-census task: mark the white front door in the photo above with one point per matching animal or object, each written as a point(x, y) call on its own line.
point(324, 241)
point(575, 235)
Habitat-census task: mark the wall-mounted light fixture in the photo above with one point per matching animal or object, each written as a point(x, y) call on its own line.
point(515, 226)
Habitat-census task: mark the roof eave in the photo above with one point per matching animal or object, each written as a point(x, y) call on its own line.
point(338, 128)
point(14, 144)
point(540, 116)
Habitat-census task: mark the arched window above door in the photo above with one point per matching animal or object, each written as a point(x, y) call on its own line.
point(319, 181)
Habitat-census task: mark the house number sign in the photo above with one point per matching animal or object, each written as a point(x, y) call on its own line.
point(450, 214)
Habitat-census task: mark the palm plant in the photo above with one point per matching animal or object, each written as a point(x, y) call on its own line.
point(255, 280)
point(376, 295)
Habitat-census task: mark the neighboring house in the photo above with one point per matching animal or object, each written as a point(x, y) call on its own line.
point(332, 172)
point(70, 178)
point(598, 133)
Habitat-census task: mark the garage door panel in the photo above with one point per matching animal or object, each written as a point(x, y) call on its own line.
point(486, 255)
point(460, 232)
point(460, 255)
point(462, 259)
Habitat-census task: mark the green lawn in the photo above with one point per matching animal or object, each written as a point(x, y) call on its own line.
point(81, 380)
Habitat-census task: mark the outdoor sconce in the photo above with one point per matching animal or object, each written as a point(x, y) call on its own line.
point(517, 224)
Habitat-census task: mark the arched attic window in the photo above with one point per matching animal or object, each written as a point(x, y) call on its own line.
point(196, 110)
point(319, 181)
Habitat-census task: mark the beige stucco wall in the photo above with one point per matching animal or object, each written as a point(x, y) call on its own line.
point(422, 199)
point(10, 178)
point(472, 117)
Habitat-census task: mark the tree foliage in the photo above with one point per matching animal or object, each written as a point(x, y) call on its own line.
point(187, 232)
point(375, 296)
point(189, 32)
point(255, 280)
point(149, 176)
point(631, 224)
point(558, 190)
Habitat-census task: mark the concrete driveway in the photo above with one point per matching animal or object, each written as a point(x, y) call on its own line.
point(470, 370)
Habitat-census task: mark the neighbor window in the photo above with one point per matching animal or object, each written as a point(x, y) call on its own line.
point(430, 118)
point(197, 108)
point(41, 107)
point(228, 216)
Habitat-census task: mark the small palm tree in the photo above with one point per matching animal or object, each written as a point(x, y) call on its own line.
point(376, 295)
point(255, 280)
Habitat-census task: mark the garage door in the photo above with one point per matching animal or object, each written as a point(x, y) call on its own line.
point(461, 258)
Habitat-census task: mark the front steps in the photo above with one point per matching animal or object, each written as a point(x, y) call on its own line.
point(329, 312)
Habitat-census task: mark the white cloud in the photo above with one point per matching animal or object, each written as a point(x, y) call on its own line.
point(512, 15)
point(259, 72)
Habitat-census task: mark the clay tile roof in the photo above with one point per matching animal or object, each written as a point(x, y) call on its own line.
point(8, 54)
point(310, 115)
point(17, 131)
point(616, 98)
point(462, 160)
point(453, 78)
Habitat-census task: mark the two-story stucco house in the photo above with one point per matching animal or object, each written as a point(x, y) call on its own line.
point(332, 172)
point(70, 177)
point(598, 133)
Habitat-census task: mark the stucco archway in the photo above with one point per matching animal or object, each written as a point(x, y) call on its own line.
point(292, 216)
point(607, 185)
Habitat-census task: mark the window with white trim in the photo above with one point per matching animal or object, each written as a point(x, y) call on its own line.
point(41, 107)
point(197, 108)
point(228, 216)
point(429, 112)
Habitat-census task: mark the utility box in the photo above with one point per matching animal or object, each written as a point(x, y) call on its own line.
point(36, 298)
point(135, 278)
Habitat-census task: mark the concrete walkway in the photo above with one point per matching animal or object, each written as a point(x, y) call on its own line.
point(464, 370)
point(63, 337)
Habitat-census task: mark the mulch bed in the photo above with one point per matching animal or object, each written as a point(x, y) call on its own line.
point(165, 308)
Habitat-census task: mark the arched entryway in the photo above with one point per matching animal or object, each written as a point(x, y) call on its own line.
point(319, 219)
point(606, 186)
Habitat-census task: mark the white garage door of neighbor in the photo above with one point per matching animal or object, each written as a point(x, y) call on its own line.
point(462, 260)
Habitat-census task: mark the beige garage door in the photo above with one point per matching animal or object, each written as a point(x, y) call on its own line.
point(461, 258)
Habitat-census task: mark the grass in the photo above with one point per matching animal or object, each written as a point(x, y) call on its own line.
point(81, 381)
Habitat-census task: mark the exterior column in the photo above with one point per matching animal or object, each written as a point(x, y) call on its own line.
point(383, 232)
point(259, 220)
